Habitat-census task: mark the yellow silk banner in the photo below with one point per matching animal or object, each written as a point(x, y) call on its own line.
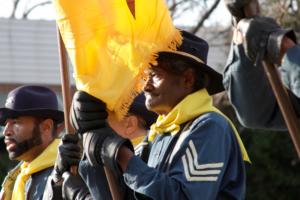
point(110, 48)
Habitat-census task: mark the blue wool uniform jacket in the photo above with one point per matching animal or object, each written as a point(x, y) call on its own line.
point(204, 162)
point(35, 186)
point(250, 92)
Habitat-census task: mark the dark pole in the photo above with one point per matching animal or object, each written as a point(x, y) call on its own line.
point(65, 88)
point(284, 103)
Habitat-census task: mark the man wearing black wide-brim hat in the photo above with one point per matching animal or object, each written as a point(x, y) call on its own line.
point(195, 151)
point(30, 118)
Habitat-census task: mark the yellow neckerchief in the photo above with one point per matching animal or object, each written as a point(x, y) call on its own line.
point(45, 160)
point(189, 108)
point(9, 182)
point(137, 140)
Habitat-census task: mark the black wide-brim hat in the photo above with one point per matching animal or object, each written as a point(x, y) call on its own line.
point(194, 50)
point(37, 101)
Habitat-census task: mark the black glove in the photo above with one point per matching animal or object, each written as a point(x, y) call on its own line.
point(69, 153)
point(87, 112)
point(262, 38)
point(102, 145)
point(74, 188)
point(236, 8)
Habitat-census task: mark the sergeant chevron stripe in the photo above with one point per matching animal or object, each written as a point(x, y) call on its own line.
point(196, 172)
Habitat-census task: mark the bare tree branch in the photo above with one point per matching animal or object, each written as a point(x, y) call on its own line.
point(15, 6)
point(26, 13)
point(220, 33)
point(205, 16)
point(175, 5)
point(220, 38)
point(178, 15)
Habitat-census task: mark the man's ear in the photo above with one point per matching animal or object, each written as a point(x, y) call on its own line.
point(131, 124)
point(189, 78)
point(46, 126)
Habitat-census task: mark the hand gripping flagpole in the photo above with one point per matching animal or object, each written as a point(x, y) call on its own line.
point(66, 94)
point(65, 88)
point(280, 92)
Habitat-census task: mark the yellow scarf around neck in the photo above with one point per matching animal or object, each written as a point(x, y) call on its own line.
point(189, 108)
point(44, 160)
point(137, 140)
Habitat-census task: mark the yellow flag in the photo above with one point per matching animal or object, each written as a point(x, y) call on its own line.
point(110, 48)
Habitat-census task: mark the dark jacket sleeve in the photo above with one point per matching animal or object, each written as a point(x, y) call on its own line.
point(36, 184)
point(54, 191)
point(251, 94)
point(95, 179)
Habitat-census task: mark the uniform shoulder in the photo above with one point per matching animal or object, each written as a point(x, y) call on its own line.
point(212, 123)
point(211, 117)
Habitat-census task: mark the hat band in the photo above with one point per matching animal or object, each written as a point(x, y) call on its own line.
point(187, 55)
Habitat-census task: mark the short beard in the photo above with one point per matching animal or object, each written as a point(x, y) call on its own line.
point(27, 144)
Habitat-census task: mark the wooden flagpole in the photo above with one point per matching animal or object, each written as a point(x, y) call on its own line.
point(284, 103)
point(66, 94)
point(65, 88)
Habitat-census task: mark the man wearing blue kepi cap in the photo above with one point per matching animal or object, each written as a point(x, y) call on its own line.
point(136, 124)
point(30, 118)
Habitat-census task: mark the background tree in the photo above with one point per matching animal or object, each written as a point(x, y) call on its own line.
point(26, 7)
point(286, 12)
point(203, 9)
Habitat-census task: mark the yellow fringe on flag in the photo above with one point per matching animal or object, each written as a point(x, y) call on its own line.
point(110, 48)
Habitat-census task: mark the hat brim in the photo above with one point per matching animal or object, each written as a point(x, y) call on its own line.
point(215, 84)
point(6, 113)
